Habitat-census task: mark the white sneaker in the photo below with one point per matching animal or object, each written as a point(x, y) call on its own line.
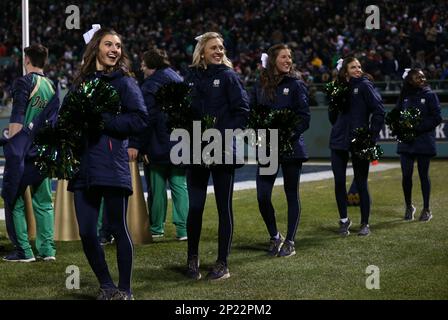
point(46, 258)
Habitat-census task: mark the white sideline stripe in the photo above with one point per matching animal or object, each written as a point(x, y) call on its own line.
point(314, 176)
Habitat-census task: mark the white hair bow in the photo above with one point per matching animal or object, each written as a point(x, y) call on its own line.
point(339, 64)
point(405, 73)
point(198, 38)
point(264, 60)
point(89, 34)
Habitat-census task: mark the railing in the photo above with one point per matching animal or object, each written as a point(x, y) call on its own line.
point(388, 90)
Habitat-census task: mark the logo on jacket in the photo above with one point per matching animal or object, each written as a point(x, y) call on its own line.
point(286, 91)
point(423, 100)
point(355, 91)
point(216, 83)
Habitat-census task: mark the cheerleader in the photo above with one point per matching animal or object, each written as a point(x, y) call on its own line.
point(280, 87)
point(217, 92)
point(366, 110)
point(417, 94)
point(104, 169)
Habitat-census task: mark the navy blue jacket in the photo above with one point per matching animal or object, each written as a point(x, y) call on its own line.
point(21, 91)
point(105, 161)
point(290, 93)
point(155, 141)
point(428, 104)
point(366, 110)
point(218, 91)
point(20, 171)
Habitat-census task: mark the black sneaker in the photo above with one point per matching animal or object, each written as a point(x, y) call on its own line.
point(17, 256)
point(106, 294)
point(287, 249)
point(344, 227)
point(426, 215)
point(409, 214)
point(122, 295)
point(193, 268)
point(275, 244)
point(104, 241)
point(365, 230)
point(218, 272)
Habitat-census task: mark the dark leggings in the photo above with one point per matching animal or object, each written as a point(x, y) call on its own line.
point(339, 160)
point(197, 180)
point(265, 184)
point(407, 169)
point(87, 205)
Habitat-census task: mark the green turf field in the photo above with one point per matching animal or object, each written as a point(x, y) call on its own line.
point(412, 257)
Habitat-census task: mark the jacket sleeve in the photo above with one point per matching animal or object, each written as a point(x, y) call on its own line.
point(21, 91)
point(149, 96)
point(332, 116)
point(238, 100)
point(434, 117)
point(376, 108)
point(133, 119)
point(148, 91)
point(253, 100)
point(301, 107)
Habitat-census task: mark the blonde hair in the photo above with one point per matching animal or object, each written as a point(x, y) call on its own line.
point(198, 54)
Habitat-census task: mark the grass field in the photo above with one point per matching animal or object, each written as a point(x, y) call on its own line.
point(412, 257)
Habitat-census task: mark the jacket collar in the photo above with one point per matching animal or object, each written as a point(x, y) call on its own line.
point(212, 69)
point(358, 80)
point(111, 75)
point(159, 75)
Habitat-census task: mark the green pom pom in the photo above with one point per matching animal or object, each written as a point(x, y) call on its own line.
point(60, 147)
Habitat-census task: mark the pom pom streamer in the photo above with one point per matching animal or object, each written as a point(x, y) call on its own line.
point(363, 146)
point(338, 95)
point(403, 123)
point(60, 147)
point(175, 101)
point(285, 120)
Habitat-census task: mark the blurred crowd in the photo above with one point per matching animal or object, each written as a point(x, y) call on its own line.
point(320, 32)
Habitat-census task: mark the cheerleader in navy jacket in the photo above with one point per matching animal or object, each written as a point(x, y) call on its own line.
point(365, 103)
point(155, 146)
point(280, 87)
point(217, 92)
point(104, 169)
point(417, 94)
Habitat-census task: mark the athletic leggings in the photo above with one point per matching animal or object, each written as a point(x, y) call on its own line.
point(265, 184)
point(197, 180)
point(87, 205)
point(407, 169)
point(339, 160)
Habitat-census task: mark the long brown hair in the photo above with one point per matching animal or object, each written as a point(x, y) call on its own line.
point(343, 72)
point(88, 64)
point(269, 79)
